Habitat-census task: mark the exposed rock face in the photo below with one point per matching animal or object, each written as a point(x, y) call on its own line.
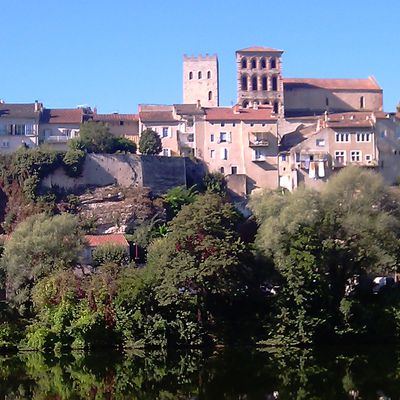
point(116, 209)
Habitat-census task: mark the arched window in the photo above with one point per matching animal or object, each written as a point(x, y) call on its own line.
point(244, 62)
point(190, 75)
point(210, 95)
point(254, 83)
point(273, 62)
point(276, 107)
point(244, 82)
point(245, 104)
point(263, 63)
point(274, 83)
point(253, 63)
point(199, 75)
point(264, 83)
point(362, 102)
point(208, 74)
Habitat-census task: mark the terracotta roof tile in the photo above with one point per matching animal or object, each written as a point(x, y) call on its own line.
point(115, 117)
point(62, 116)
point(339, 84)
point(97, 240)
point(361, 119)
point(156, 116)
point(18, 110)
point(255, 49)
point(239, 114)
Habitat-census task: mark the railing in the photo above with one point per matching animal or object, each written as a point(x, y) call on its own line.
point(58, 139)
point(258, 143)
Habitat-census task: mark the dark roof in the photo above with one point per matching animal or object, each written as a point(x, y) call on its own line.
point(360, 119)
point(294, 138)
point(62, 116)
point(188, 109)
point(331, 84)
point(18, 110)
point(156, 116)
point(240, 114)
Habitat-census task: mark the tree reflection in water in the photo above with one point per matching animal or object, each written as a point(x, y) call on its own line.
point(327, 373)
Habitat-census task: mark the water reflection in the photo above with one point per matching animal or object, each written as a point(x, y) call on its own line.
point(273, 374)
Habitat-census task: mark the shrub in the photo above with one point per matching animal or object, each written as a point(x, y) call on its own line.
point(110, 254)
point(150, 143)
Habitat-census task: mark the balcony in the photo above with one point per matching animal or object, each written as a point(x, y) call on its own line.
point(57, 139)
point(258, 139)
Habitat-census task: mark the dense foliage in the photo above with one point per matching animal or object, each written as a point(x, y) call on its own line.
point(298, 272)
point(95, 137)
point(150, 142)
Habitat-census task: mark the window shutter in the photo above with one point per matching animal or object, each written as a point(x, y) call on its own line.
point(228, 137)
point(222, 154)
point(170, 131)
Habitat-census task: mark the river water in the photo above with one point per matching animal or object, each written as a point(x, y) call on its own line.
point(323, 373)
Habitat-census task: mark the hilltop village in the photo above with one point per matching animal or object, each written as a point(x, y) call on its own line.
point(280, 133)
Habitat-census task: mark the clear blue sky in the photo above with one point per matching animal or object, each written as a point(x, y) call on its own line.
point(116, 54)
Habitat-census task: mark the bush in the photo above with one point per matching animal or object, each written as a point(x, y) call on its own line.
point(124, 144)
point(73, 162)
point(110, 254)
point(150, 143)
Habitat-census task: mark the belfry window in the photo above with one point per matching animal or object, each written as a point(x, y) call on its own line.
point(254, 83)
point(210, 95)
point(274, 83)
point(264, 83)
point(253, 63)
point(273, 63)
point(208, 74)
point(199, 75)
point(263, 63)
point(190, 75)
point(244, 82)
point(244, 62)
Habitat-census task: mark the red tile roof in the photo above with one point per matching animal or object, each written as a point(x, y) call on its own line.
point(97, 240)
point(62, 116)
point(239, 114)
point(156, 116)
point(340, 84)
point(360, 119)
point(255, 49)
point(115, 117)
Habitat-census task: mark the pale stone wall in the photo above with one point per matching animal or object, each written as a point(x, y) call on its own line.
point(312, 100)
point(157, 173)
point(197, 88)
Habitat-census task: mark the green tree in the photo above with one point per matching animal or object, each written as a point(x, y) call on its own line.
point(355, 219)
point(199, 264)
point(150, 142)
point(110, 254)
point(177, 197)
point(39, 246)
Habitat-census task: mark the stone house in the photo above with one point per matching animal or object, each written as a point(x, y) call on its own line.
point(19, 126)
point(94, 241)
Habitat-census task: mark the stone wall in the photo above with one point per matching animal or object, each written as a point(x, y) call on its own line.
point(157, 173)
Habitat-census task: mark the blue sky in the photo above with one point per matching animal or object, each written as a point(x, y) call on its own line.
point(116, 54)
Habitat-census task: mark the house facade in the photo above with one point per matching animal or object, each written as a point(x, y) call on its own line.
point(19, 126)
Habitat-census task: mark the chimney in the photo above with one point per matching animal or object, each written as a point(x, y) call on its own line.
point(236, 109)
point(326, 116)
point(37, 106)
point(198, 104)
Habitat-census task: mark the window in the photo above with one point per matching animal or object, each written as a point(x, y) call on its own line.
point(362, 102)
point(208, 74)
point(368, 157)
point(320, 142)
point(212, 137)
point(276, 107)
point(340, 157)
point(254, 83)
point(244, 62)
point(244, 82)
point(210, 95)
point(199, 75)
point(258, 155)
point(274, 83)
point(212, 153)
point(191, 137)
point(223, 137)
point(264, 83)
point(19, 129)
point(253, 63)
point(283, 157)
point(29, 129)
point(233, 124)
point(222, 124)
point(245, 104)
point(342, 137)
point(363, 137)
point(273, 63)
point(263, 63)
point(224, 154)
point(222, 170)
point(234, 170)
point(190, 75)
point(121, 123)
point(66, 132)
point(355, 156)
point(165, 131)
point(166, 152)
